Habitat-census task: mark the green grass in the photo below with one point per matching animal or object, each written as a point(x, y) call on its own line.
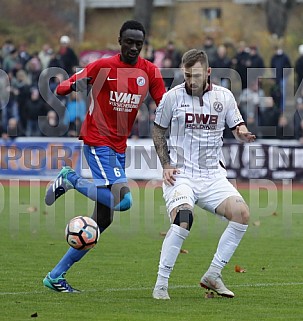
point(119, 274)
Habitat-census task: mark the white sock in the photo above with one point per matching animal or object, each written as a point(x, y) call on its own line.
point(170, 250)
point(228, 243)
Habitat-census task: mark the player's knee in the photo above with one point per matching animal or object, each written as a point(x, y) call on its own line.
point(126, 201)
point(184, 218)
point(241, 216)
point(122, 197)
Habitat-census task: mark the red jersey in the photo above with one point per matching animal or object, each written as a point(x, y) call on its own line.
point(118, 90)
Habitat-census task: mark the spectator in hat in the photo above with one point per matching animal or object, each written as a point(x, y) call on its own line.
point(67, 55)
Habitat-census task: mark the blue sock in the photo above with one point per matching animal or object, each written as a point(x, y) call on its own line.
point(70, 257)
point(100, 194)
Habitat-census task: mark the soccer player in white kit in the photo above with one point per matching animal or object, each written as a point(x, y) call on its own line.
point(193, 168)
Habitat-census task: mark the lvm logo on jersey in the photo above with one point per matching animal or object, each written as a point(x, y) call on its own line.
point(124, 102)
point(201, 121)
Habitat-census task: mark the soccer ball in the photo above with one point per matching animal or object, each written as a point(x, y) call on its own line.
point(82, 233)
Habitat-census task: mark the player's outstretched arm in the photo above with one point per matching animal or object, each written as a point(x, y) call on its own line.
point(71, 84)
point(242, 134)
point(81, 84)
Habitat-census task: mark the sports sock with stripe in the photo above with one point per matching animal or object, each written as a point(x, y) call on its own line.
point(228, 243)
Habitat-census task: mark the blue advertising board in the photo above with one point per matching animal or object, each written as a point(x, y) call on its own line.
point(25, 158)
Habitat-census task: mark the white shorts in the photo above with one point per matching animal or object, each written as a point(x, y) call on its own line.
point(205, 193)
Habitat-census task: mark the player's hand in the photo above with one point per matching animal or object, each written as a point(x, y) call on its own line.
point(169, 173)
point(245, 136)
point(81, 84)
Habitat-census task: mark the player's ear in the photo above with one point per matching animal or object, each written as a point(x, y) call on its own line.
point(208, 71)
point(119, 40)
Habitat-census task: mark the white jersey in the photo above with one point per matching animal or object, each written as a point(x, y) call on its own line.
point(196, 128)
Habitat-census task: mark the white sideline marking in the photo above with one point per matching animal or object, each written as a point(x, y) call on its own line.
point(256, 285)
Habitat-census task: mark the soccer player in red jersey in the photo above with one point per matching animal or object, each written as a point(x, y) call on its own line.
point(117, 87)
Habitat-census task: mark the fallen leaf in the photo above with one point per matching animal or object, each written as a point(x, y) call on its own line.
point(163, 233)
point(274, 214)
point(238, 269)
point(184, 251)
point(32, 209)
point(256, 223)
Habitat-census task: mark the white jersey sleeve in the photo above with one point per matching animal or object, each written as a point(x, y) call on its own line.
point(164, 111)
point(233, 115)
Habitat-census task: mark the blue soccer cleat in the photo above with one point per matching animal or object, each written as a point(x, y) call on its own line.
point(59, 186)
point(59, 284)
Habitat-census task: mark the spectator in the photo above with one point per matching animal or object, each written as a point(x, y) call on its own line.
point(67, 56)
point(34, 68)
point(221, 68)
point(8, 106)
point(21, 85)
point(45, 55)
point(167, 72)
point(211, 50)
point(240, 62)
point(255, 63)
point(269, 118)
point(7, 48)
point(11, 62)
point(299, 67)
point(57, 102)
point(51, 127)
point(284, 130)
point(23, 55)
point(35, 107)
point(148, 51)
point(249, 105)
point(13, 129)
point(172, 53)
point(55, 61)
point(281, 64)
point(75, 108)
point(74, 128)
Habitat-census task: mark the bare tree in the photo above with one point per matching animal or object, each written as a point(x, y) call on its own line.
point(277, 12)
point(143, 13)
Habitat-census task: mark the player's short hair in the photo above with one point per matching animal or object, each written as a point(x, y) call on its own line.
point(194, 55)
point(132, 24)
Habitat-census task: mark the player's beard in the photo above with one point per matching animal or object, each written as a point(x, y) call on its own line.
point(198, 90)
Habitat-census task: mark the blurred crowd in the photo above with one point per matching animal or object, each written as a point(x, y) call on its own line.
point(27, 109)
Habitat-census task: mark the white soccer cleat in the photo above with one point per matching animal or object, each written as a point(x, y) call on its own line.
point(213, 281)
point(160, 293)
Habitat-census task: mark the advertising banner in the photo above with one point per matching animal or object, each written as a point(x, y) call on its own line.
point(41, 158)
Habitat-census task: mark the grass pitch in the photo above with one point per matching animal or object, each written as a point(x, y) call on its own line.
point(117, 277)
